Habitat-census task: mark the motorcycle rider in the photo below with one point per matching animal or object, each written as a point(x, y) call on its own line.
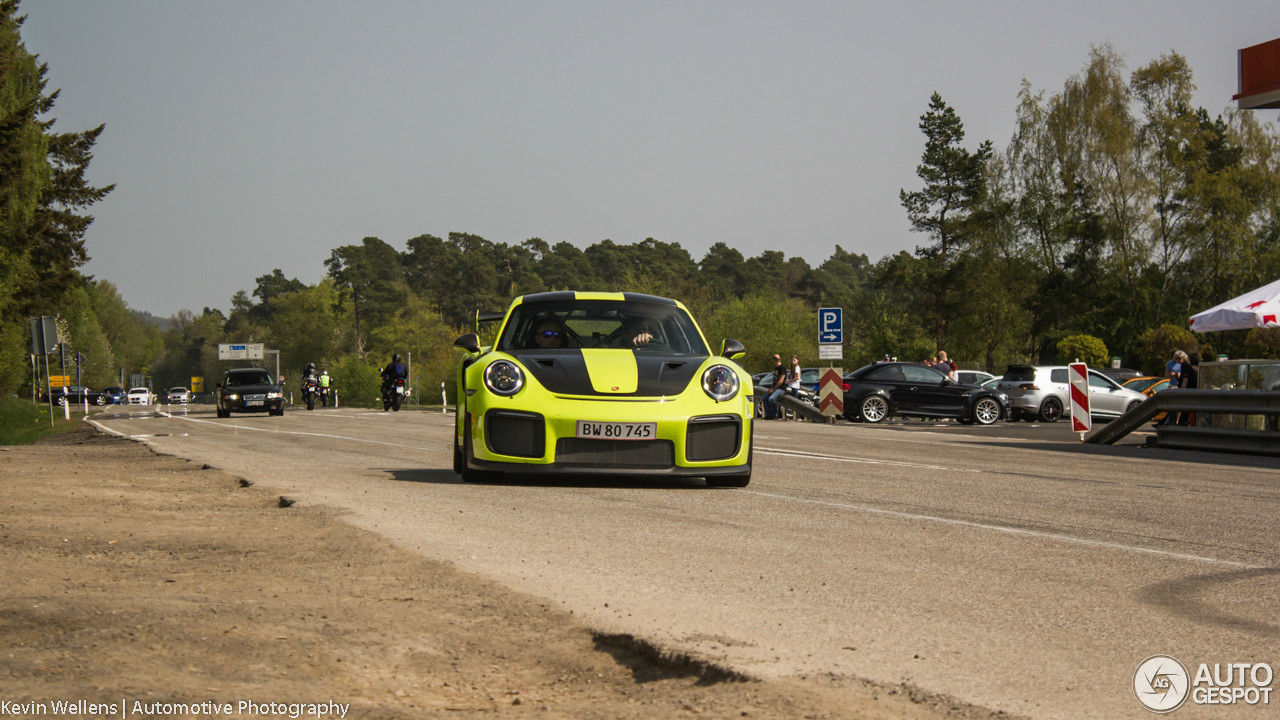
point(309, 374)
point(395, 370)
point(324, 387)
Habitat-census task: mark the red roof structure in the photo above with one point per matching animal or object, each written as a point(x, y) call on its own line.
point(1259, 76)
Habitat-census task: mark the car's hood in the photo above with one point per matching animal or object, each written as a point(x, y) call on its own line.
point(251, 389)
point(600, 371)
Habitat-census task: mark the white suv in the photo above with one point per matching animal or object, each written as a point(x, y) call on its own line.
point(1043, 392)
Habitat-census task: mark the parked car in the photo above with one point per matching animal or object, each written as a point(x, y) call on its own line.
point(249, 390)
point(1149, 386)
point(1143, 383)
point(113, 395)
point(592, 383)
point(973, 377)
point(179, 396)
point(878, 391)
point(76, 394)
point(140, 396)
point(1119, 374)
point(1044, 392)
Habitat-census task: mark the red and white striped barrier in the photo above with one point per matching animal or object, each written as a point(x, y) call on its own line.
point(1078, 374)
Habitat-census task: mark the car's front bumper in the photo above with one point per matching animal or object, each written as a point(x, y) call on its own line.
point(692, 437)
point(241, 405)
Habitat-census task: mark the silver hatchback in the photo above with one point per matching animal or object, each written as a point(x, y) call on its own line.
point(1043, 392)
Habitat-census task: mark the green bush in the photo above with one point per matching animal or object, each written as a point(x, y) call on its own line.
point(1085, 348)
point(357, 383)
point(1158, 344)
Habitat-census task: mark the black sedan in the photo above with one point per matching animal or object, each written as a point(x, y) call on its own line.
point(249, 390)
point(884, 389)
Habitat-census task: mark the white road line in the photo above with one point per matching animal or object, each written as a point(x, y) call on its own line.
point(308, 434)
point(1008, 530)
point(841, 458)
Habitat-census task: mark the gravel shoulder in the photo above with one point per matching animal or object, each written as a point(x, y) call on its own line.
point(133, 579)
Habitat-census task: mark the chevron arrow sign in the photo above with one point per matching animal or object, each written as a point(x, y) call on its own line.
point(831, 392)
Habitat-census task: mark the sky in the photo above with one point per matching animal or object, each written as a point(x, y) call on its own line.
point(245, 136)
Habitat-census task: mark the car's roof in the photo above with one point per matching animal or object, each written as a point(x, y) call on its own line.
point(138, 389)
point(241, 371)
point(563, 295)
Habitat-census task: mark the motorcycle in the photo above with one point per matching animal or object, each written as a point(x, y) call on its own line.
point(393, 394)
point(324, 396)
point(310, 388)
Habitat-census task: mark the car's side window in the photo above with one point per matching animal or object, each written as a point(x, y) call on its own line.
point(1059, 376)
point(922, 375)
point(891, 373)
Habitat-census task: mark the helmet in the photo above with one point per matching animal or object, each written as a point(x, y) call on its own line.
point(324, 372)
point(395, 358)
point(311, 366)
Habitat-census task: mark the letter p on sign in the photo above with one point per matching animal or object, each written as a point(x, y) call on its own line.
point(1078, 374)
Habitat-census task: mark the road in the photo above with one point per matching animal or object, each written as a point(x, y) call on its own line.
point(1009, 567)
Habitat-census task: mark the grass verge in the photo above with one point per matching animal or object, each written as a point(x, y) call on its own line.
point(22, 423)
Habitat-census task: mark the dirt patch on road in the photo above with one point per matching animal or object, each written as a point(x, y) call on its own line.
point(150, 586)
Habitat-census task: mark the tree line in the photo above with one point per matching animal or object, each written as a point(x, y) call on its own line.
point(1116, 210)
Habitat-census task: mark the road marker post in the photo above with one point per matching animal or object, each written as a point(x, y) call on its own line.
point(1081, 420)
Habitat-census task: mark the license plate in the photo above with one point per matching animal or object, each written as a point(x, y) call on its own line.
point(252, 402)
point(617, 430)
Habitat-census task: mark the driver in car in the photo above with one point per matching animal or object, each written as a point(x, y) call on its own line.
point(637, 331)
point(549, 333)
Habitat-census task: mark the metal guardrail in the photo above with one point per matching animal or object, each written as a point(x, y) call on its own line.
point(1210, 432)
point(799, 407)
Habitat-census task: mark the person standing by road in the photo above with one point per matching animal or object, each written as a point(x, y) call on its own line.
point(776, 389)
point(793, 377)
point(945, 366)
point(1190, 381)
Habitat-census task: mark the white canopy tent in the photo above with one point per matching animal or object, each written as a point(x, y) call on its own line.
point(1255, 309)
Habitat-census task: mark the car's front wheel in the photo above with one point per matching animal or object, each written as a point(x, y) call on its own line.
point(1051, 410)
point(986, 411)
point(100, 400)
point(874, 409)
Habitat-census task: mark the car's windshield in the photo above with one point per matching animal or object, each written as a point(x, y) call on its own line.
point(573, 323)
point(248, 379)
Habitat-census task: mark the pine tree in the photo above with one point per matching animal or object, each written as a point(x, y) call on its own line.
point(954, 186)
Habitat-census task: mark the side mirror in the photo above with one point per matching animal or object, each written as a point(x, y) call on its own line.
point(468, 342)
point(732, 349)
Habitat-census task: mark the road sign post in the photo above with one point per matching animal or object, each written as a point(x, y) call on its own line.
point(1081, 420)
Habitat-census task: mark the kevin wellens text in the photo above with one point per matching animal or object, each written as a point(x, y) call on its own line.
point(124, 709)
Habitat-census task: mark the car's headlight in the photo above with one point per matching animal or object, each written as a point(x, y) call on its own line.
point(720, 383)
point(231, 396)
point(504, 378)
point(274, 395)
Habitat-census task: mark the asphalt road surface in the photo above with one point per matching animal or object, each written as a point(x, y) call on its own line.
point(1010, 567)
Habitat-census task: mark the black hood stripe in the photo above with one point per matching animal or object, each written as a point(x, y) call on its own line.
point(565, 372)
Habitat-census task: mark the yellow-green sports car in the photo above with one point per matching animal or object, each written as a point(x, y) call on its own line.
point(595, 383)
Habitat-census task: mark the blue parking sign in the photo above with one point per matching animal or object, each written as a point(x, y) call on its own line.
point(830, 325)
